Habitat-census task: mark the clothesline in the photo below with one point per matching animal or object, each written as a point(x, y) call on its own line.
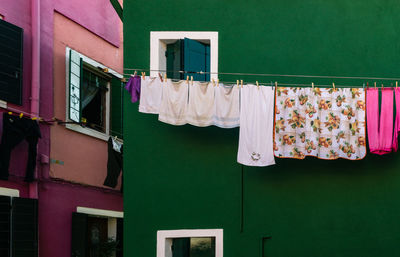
point(267, 74)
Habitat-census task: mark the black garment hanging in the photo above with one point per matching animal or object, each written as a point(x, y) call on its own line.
point(16, 129)
point(114, 164)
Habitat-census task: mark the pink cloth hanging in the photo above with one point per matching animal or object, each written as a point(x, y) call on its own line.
point(396, 131)
point(380, 129)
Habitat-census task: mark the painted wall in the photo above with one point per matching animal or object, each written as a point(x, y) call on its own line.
point(187, 177)
point(57, 202)
point(84, 157)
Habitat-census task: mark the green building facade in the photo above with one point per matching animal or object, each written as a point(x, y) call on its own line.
point(186, 177)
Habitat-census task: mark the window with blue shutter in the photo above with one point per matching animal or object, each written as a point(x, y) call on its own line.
point(75, 70)
point(11, 62)
point(188, 55)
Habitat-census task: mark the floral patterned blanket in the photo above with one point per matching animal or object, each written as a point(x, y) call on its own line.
point(323, 122)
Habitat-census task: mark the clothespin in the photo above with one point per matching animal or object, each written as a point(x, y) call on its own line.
point(333, 85)
point(217, 82)
point(213, 81)
point(312, 85)
point(105, 70)
point(134, 74)
point(363, 85)
point(191, 78)
point(237, 83)
point(241, 83)
point(187, 79)
point(276, 85)
point(10, 113)
point(34, 118)
point(20, 115)
point(123, 80)
point(143, 75)
point(382, 85)
point(375, 84)
point(367, 85)
point(159, 75)
point(258, 86)
point(165, 77)
point(396, 84)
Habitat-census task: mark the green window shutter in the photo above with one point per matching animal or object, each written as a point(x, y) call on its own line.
point(24, 227)
point(75, 75)
point(181, 247)
point(11, 62)
point(174, 60)
point(5, 225)
point(195, 58)
point(79, 234)
point(117, 96)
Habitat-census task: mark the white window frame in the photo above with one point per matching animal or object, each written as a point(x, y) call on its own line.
point(111, 215)
point(4, 191)
point(165, 238)
point(75, 127)
point(160, 39)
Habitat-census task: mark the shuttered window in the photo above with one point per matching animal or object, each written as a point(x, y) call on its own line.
point(11, 52)
point(188, 55)
point(117, 96)
point(75, 71)
point(18, 227)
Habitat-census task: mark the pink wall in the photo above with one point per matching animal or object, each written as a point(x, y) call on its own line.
point(84, 157)
point(56, 204)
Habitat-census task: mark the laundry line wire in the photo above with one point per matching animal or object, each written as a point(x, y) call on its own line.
point(267, 74)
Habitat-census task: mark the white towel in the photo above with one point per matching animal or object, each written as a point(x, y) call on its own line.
point(201, 104)
point(226, 107)
point(256, 126)
point(174, 102)
point(150, 95)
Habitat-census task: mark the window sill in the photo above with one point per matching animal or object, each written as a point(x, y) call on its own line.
point(3, 104)
point(87, 131)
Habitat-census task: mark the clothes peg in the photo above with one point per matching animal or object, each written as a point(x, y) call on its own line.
point(10, 113)
point(276, 84)
point(105, 70)
point(20, 115)
point(165, 77)
point(363, 85)
point(396, 84)
point(333, 85)
point(241, 83)
point(258, 86)
point(237, 83)
point(213, 81)
point(134, 74)
point(382, 86)
point(159, 75)
point(217, 82)
point(312, 85)
point(143, 75)
point(375, 84)
point(123, 80)
point(187, 79)
point(34, 118)
point(191, 78)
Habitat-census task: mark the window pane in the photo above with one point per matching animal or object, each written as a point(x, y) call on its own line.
point(193, 247)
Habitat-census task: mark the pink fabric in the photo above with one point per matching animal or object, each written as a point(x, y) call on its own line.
point(396, 131)
point(380, 129)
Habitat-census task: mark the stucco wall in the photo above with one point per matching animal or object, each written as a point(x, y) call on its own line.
point(84, 157)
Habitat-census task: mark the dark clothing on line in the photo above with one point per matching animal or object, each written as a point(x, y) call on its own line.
point(15, 130)
point(114, 165)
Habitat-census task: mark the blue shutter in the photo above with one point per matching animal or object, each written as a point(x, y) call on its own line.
point(75, 75)
point(195, 58)
point(11, 50)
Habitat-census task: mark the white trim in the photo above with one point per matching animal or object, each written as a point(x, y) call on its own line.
point(164, 239)
point(75, 127)
point(3, 104)
point(157, 47)
point(100, 212)
point(9, 192)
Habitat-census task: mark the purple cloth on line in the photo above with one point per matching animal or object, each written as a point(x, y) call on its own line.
point(133, 87)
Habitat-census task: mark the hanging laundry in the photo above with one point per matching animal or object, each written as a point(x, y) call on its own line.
point(396, 131)
point(133, 87)
point(174, 102)
point(327, 123)
point(380, 128)
point(226, 107)
point(16, 129)
point(114, 162)
point(150, 95)
point(201, 104)
point(256, 126)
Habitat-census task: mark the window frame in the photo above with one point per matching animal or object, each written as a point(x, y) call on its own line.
point(160, 39)
point(76, 127)
point(165, 238)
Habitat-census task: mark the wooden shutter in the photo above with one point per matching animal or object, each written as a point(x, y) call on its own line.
point(79, 234)
point(75, 75)
point(24, 227)
point(120, 237)
point(117, 96)
point(181, 247)
point(11, 62)
point(195, 58)
point(174, 60)
point(5, 225)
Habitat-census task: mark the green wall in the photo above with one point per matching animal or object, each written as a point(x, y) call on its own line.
point(188, 177)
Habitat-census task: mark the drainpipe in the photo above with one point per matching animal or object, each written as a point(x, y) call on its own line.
point(35, 85)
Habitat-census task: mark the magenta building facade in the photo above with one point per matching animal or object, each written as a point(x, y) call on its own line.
point(71, 164)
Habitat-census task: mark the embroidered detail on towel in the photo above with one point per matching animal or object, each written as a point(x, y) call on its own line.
point(323, 122)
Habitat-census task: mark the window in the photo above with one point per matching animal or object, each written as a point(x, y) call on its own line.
point(184, 50)
point(190, 243)
point(96, 233)
point(11, 50)
point(94, 97)
point(18, 225)
point(188, 55)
